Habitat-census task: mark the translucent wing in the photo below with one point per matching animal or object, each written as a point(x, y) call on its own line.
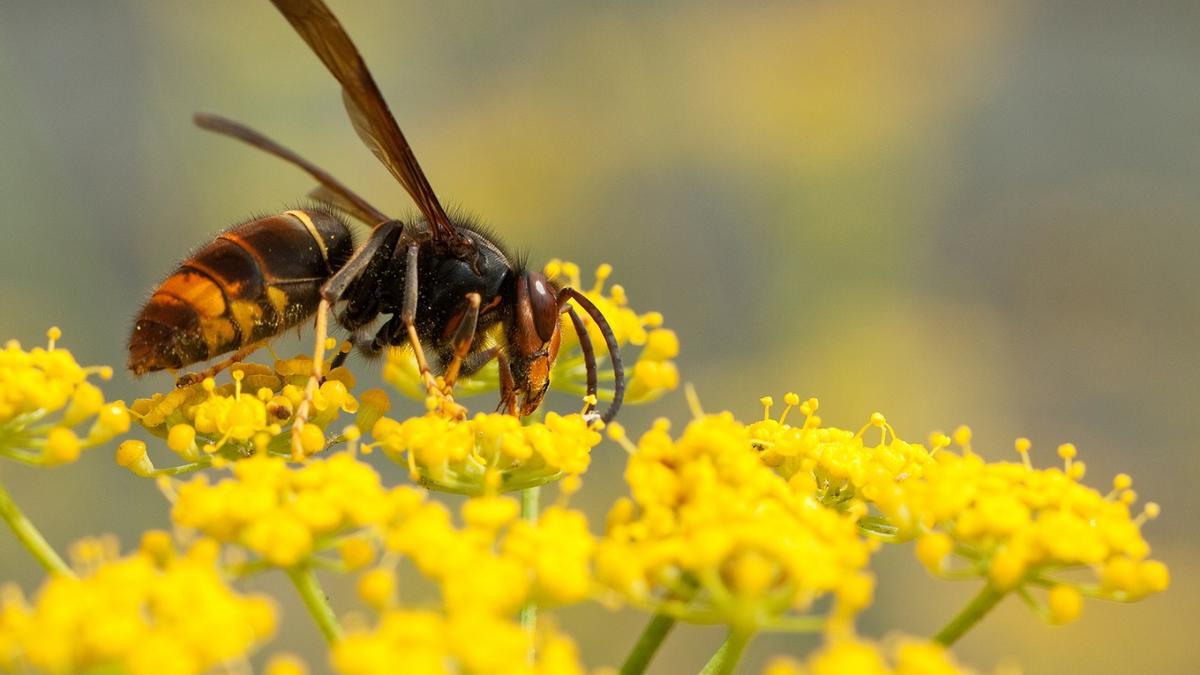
point(331, 190)
point(368, 111)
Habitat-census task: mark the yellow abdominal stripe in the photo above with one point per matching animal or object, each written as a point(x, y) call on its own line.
point(312, 229)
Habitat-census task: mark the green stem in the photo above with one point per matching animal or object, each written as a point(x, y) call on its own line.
point(29, 536)
point(647, 645)
point(530, 498)
point(980, 605)
point(727, 657)
point(305, 581)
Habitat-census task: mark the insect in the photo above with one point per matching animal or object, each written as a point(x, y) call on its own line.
point(444, 284)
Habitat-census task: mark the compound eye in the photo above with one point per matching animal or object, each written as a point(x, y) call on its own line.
point(543, 300)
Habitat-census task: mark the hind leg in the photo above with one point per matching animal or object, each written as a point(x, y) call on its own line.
point(189, 379)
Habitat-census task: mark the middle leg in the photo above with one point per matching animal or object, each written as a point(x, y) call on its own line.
point(408, 315)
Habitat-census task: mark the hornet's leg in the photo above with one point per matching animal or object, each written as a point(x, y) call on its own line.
point(508, 388)
point(314, 380)
point(464, 335)
point(336, 286)
point(475, 362)
point(192, 378)
point(408, 315)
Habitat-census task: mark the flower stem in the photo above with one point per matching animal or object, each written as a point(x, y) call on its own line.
point(980, 605)
point(728, 655)
point(530, 498)
point(305, 581)
point(647, 645)
point(29, 536)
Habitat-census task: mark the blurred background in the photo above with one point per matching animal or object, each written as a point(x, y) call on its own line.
point(950, 212)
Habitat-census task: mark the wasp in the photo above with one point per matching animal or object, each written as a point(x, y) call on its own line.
point(444, 284)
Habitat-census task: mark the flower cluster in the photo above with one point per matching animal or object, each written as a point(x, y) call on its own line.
point(838, 463)
point(761, 526)
point(487, 570)
point(710, 534)
point(1004, 521)
point(251, 413)
point(285, 514)
point(908, 656)
point(153, 611)
point(1015, 525)
point(49, 411)
point(487, 453)
point(652, 374)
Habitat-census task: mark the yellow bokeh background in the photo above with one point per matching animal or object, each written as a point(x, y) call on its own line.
point(950, 212)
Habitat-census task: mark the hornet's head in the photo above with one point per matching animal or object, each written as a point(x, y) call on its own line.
point(533, 338)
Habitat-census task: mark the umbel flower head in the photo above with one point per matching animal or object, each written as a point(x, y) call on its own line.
point(488, 453)
point(842, 466)
point(1017, 526)
point(151, 612)
point(253, 411)
point(1008, 522)
point(282, 513)
point(710, 534)
point(486, 569)
point(650, 375)
point(49, 410)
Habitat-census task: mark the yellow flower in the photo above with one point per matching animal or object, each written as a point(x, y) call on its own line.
point(486, 569)
point(711, 534)
point(495, 562)
point(558, 552)
point(649, 376)
point(251, 413)
point(136, 614)
point(842, 465)
point(904, 656)
point(1016, 525)
point(1012, 523)
point(426, 642)
point(489, 452)
point(46, 403)
point(283, 513)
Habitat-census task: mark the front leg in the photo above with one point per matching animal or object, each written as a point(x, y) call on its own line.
point(508, 387)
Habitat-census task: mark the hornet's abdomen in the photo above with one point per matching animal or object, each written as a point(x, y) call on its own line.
point(252, 282)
